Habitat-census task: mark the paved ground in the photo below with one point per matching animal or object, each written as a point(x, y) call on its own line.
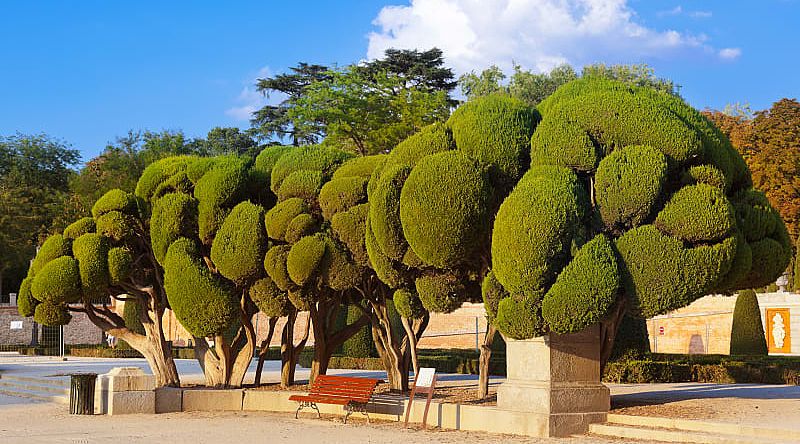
point(773, 406)
point(34, 423)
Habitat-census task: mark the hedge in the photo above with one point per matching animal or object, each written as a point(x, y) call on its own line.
point(747, 332)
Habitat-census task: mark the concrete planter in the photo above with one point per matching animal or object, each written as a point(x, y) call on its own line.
point(555, 380)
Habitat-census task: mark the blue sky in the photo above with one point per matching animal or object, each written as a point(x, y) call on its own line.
point(89, 71)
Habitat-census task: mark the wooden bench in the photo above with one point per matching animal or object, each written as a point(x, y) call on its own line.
point(352, 394)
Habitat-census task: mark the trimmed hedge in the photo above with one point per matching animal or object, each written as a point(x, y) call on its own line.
point(173, 216)
point(304, 184)
point(277, 219)
point(341, 194)
point(495, 130)
point(79, 227)
point(91, 252)
point(441, 293)
point(444, 209)
point(627, 185)
point(240, 244)
point(384, 211)
point(747, 332)
point(585, 290)
point(697, 213)
point(58, 282)
point(270, 300)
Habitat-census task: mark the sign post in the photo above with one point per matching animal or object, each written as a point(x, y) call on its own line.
point(424, 382)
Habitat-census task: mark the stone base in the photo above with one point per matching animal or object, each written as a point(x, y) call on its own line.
point(556, 379)
point(125, 403)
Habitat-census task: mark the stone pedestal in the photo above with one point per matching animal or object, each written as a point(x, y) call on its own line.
point(125, 390)
point(556, 379)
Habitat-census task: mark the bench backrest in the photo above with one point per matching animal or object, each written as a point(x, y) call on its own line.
point(356, 389)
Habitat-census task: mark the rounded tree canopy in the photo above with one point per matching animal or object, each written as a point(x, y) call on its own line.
point(240, 244)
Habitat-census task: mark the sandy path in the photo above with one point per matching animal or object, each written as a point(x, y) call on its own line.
point(34, 423)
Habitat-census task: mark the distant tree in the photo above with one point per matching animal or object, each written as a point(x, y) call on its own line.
point(532, 87)
point(368, 113)
point(422, 70)
point(770, 144)
point(224, 141)
point(747, 332)
point(34, 175)
point(272, 122)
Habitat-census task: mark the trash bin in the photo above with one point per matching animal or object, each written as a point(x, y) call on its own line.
point(81, 393)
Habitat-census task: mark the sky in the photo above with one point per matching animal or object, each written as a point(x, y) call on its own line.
point(88, 72)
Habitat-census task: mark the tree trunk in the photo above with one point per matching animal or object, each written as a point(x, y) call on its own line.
point(326, 341)
point(486, 355)
point(264, 351)
point(290, 352)
point(608, 332)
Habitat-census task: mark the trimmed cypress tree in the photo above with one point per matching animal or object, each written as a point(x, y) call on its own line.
point(747, 332)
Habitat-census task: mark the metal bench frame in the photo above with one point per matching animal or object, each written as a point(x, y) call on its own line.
point(351, 402)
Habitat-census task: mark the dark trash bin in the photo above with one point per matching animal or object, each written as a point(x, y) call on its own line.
point(81, 393)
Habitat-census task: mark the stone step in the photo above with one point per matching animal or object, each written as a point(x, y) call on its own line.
point(59, 381)
point(38, 388)
point(704, 426)
point(32, 394)
point(674, 435)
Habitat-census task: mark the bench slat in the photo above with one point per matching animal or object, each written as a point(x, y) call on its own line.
point(341, 390)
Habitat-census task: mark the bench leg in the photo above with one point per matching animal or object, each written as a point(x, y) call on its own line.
point(354, 407)
point(307, 404)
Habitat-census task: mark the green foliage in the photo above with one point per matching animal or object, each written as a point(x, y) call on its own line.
point(203, 304)
point(158, 172)
point(91, 252)
point(495, 130)
point(120, 264)
point(534, 229)
point(216, 192)
point(384, 211)
point(304, 258)
point(275, 266)
point(613, 115)
point(180, 182)
point(350, 228)
point(278, 217)
point(755, 216)
point(131, 314)
point(407, 304)
point(432, 139)
point(304, 184)
point(697, 213)
point(26, 303)
point(383, 266)
point(271, 300)
point(493, 292)
point(707, 174)
point(79, 227)
point(338, 271)
point(441, 293)
point(52, 315)
point(115, 200)
point(627, 185)
point(302, 298)
point(631, 341)
point(747, 332)
point(261, 172)
point(585, 290)
point(116, 225)
point(341, 194)
point(673, 278)
point(241, 243)
point(174, 215)
point(770, 259)
point(361, 166)
point(302, 225)
point(360, 345)
point(55, 246)
point(59, 281)
point(520, 316)
point(444, 209)
point(314, 158)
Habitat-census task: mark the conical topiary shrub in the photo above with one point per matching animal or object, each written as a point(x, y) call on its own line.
point(747, 333)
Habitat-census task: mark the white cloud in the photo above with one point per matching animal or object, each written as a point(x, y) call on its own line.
point(730, 53)
point(537, 34)
point(674, 11)
point(700, 14)
point(249, 99)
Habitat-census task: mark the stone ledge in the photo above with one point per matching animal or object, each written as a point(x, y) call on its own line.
point(212, 400)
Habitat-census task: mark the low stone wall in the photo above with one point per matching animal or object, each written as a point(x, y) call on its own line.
point(80, 330)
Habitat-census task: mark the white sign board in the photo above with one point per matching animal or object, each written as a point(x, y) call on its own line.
point(425, 377)
point(16, 325)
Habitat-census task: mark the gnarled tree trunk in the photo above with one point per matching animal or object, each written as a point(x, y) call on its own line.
point(326, 340)
point(484, 360)
point(290, 352)
point(264, 351)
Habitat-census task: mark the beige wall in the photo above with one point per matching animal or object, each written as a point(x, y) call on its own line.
point(80, 330)
point(705, 325)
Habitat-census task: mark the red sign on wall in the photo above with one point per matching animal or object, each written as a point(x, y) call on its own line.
point(661, 331)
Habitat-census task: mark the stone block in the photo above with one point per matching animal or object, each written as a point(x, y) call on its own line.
point(101, 395)
point(269, 401)
point(556, 379)
point(169, 399)
point(123, 379)
point(123, 403)
point(212, 400)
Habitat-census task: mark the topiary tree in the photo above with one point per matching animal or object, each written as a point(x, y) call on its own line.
point(207, 231)
point(308, 259)
point(634, 204)
point(747, 331)
point(432, 204)
point(107, 255)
